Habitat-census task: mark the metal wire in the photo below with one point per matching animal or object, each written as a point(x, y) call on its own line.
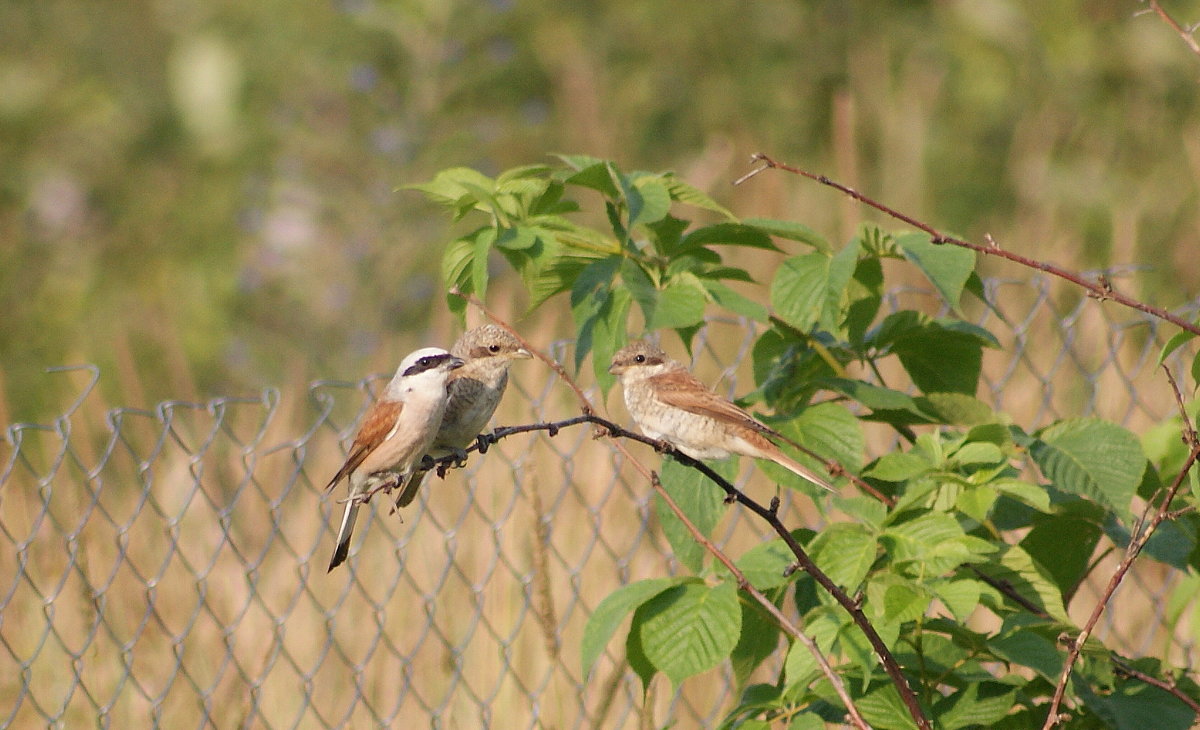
point(165, 567)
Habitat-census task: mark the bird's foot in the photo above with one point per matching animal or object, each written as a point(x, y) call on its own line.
point(663, 446)
point(484, 441)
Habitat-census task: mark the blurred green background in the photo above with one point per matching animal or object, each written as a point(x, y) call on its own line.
point(201, 196)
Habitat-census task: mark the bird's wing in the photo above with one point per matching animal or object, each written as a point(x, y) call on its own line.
point(376, 427)
point(681, 389)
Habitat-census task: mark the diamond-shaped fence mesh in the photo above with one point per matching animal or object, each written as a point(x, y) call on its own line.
point(167, 567)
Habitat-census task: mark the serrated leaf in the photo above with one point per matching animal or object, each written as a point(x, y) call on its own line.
point(979, 704)
point(516, 239)
point(798, 290)
point(690, 628)
point(1092, 458)
point(898, 467)
point(592, 173)
point(607, 616)
point(845, 552)
point(961, 597)
point(759, 640)
point(702, 501)
point(479, 262)
point(884, 710)
point(689, 195)
point(1063, 545)
point(792, 231)
point(947, 267)
point(1029, 579)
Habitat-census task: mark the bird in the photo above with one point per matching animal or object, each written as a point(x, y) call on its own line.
point(669, 404)
point(474, 392)
point(395, 433)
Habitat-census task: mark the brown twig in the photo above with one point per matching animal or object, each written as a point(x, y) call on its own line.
point(890, 665)
point(1187, 34)
point(1131, 553)
point(1101, 289)
point(1122, 668)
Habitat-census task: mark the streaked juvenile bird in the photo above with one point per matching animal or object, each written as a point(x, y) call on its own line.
point(669, 404)
point(475, 390)
point(395, 434)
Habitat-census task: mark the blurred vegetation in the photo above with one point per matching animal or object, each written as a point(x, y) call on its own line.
point(202, 196)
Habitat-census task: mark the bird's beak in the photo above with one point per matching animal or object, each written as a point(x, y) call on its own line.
point(522, 354)
point(455, 363)
point(613, 369)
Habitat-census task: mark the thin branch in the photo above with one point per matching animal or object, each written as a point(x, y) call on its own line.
point(1100, 289)
point(1131, 553)
point(1122, 668)
point(768, 514)
point(1187, 34)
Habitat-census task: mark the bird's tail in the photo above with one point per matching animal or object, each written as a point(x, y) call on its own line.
point(347, 529)
point(801, 471)
point(409, 488)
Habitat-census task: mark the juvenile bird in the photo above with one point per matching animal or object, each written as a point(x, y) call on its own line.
point(670, 404)
point(475, 390)
point(396, 432)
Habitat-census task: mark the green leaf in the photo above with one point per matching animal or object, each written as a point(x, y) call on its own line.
point(979, 704)
point(679, 304)
point(958, 409)
point(1092, 458)
point(1029, 648)
point(845, 552)
point(516, 239)
point(798, 291)
point(1063, 546)
point(898, 467)
point(764, 564)
point(479, 261)
point(792, 231)
point(688, 195)
point(728, 234)
point(649, 200)
point(603, 622)
point(961, 597)
point(702, 501)
point(690, 628)
point(884, 709)
point(940, 360)
point(452, 185)
point(947, 267)
point(758, 641)
point(635, 653)
point(729, 299)
point(1177, 340)
point(872, 396)
point(1018, 569)
point(592, 173)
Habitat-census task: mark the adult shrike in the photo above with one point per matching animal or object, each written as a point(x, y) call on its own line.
point(669, 404)
point(395, 434)
point(475, 390)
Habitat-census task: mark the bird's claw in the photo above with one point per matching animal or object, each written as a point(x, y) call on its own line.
point(663, 446)
point(484, 441)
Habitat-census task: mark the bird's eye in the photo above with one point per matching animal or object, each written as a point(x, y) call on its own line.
point(639, 359)
point(425, 362)
point(493, 348)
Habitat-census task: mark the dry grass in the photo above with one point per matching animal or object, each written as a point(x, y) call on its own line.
point(170, 567)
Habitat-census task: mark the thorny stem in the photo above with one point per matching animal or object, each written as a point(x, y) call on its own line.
point(1101, 289)
point(803, 561)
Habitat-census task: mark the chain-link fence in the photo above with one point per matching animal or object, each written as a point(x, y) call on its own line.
point(167, 566)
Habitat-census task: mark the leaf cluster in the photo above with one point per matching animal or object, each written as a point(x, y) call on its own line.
point(985, 528)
